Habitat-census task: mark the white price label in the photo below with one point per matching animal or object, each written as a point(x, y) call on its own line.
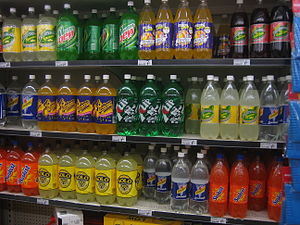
point(4, 64)
point(145, 212)
point(35, 133)
point(61, 63)
point(118, 138)
point(241, 62)
point(268, 145)
point(144, 62)
point(42, 201)
point(218, 220)
point(188, 142)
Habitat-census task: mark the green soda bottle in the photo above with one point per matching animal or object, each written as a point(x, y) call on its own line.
point(84, 177)
point(67, 35)
point(110, 36)
point(126, 186)
point(48, 174)
point(66, 172)
point(105, 178)
point(140, 162)
point(128, 39)
point(80, 30)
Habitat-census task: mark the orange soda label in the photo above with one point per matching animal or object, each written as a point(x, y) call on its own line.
point(238, 194)
point(13, 173)
point(29, 175)
point(256, 189)
point(218, 193)
point(275, 197)
point(2, 170)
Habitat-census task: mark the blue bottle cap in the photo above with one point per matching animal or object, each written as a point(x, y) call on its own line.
point(14, 142)
point(240, 157)
point(29, 144)
point(220, 156)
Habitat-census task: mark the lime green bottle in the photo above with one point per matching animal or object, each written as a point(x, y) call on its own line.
point(139, 160)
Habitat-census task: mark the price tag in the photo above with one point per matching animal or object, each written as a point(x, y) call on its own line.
point(118, 138)
point(268, 145)
point(188, 142)
point(144, 62)
point(61, 63)
point(145, 212)
point(4, 64)
point(42, 201)
point(35, 133)
point(218, 220)
point(241, 62)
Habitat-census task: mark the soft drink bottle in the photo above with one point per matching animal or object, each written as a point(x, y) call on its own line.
point(126, 108)
point(3, 106)
point(257, 185)
point(11, 31)
point(186, 159)
point(85, 106)
point(14, 102)
point(229, 112)
point(259, 32)
point(128, 33)
point(172, 108)
point(3, 162)
point(175, 155)
point(217, 85)
point(239, 186)
point(66, 106)
point(223, 38)
point(183, 32)
point(147, 32)
point(262, 84)
point(1, 42)
point(249, 111)
point(126, 171)
point(210, 101)
point(29, 103)
point(218, 187)
point(269, 111)
point(150, 108)
point(46, 36)
point(139, 177)
point(149, 177)
point(104, 104)
point(284, 108)
point(80, 33)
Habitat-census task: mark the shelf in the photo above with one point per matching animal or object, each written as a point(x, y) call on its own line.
point(143, 208)
point(192, 140)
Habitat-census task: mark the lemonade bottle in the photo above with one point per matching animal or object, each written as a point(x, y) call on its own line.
point(140, 162)
point(183, 32)
point(84, 109)
point(66, 106)
point(105, 178)
point(203, 36)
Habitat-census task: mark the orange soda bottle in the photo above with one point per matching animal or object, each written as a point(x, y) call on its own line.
point(84, 109)
point(3, 154)
point(218, 187)
point(239, 186)
point(66, 106)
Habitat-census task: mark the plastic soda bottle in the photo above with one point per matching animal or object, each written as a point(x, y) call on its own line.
point(183, 32)
point(139, 177)
point(174, 158)
point(14, 102)
point(147, 32)
point(218, 187)
point(203, 34)
point(80, 33)
point(84, 177)
point(223, 35)
point(150, 108)
point(149, 177)
point(3, 166)
point(105, 179)
point(126, 171)
point(3, 106)
point(104, 104)
point(47, 110)
point(172, 108)
point(249, 111)
point(229, 111)
point(66, 106)
point(186, 157)
point(128, 33)
point(284, 108)
point(210, 101)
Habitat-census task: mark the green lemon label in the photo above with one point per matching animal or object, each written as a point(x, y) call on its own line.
point(29, 38)
point(249, 115)
point(46, 37)
point(210, 113)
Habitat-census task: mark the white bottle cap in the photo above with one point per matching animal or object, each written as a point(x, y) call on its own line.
point(94, 10)
point(210, 77)
point(195, 79)
point(112, 9)
point(105, 77)
point(173, 77)
point(67, 6)
point(97, 77)
point(67, 77)
point(200, 156)
point(270, 77)
point(130, 3)
point(12, 10)
point(127, 76)
point(75, 12)
point(31, 9)
point(250, 78)
point(180, 154)
point(147, 1)
point(47, 7)
point(288, 77)
point(55, 12)
point(245, 78)
point(87, 77)
point(14, 77)
point(264, 78)
point(230, 77)
point(48, 77)
point(216, 78)
point(163, 150)
point(150, 77)
point(185, 151)
point(239, 1)
point(151, 147)
point(31, 77)
point(204, 151)
point(176, 148)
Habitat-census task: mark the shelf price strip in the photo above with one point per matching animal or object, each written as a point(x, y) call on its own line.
point(61, 63)
point(241, 62)
point(118, 138)
point(188, 142)
point(42, 201)
point(145, 212)
point(268, 145)
point(4, 64)
point(218, 220)
point(35, 133)
point(144, 62)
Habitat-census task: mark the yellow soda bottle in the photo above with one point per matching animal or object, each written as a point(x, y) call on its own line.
point(47, 110)
point(203, 32)
point(84, 108)
point(104, 108)
point(183, 32)
point(66, 106)
point(139, 177)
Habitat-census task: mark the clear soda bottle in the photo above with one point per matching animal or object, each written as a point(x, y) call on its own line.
point(3, 106)
point(174, 158)
point(217, 84)
point(186, 159)
point(149, 177)
point(14, 102)
point(284, 109)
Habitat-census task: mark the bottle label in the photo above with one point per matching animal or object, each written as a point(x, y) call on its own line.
point(173, 111)
point(92, 39)
point(284, 113)
point(223, 45)
point(13, 173)
point(149, 179)
point(183, 35)
point(105, 182)
point(2, 106)
point(66, 175)
point(46, 36)
point(11, 39)
point(239, 36)
point(29, 38)
point(48, 179)
point(229, 114)
point(238, 194)
point(104, 109)
point(249, 115)
point(149, 110)
point(275, 196)
point(29, 175)
point(179, 190)
point(13, 105)
point(147, 37)
point(163, 35)
point(269, 115)
point(29, 107)
point(210, 113)
point(138, 179)
point(259, 33)
point(199, 192)
point(2, 170)
point(126, 110)
point(128, 35)
point(126, 185)
point(47, 110)
point(193, 111)
point(84, 179)
point(203, 36)
point(256, 189)
point(280, 31)
point(84, 109)
point(218, 193)
point(110, 42)
point(1, 43)
point(163, 183)
point(67, 36)
point(66, 108)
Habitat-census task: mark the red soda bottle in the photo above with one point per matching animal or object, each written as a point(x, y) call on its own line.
point(2, 168)
point(218, 187)
point(239, 186)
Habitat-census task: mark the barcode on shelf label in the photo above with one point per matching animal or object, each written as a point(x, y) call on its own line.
point(118, 138)
point(42, 201)
point(4, 64)
point(268, 145)
point(144, 62)
point(145, 212)
point(35, 133)
point(241, 62)
point(218, 220)
point(188, 142)
point(61, 63)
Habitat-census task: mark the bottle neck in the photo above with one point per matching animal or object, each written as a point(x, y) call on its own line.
point(131, 9)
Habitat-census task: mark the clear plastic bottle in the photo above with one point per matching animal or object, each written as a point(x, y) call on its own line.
point(149, 178)
point(14, 102)
point(3, 98)
point(262, 84)
point(284, 109)
point(217, 84)
point(185, 151)
point(175, 154)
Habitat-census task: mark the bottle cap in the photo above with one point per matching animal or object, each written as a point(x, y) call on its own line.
point(112, 9)
point(250, 78)
point(31, 9)
point(147, 1)
point(240, 157)
point(48, 76)
point(127, 76)
point(200, 156)
point(239, 1)
point(245, 78)
point(31, 77)
point(173, 77)
point(87, 77)
point(97, 77)
point(105, 77)
point(184, 150)
point(230, 78)
point(164, 0)
point(180, 154)
point(67, 6)
point(216, 78)
point(176, 148)
point(151, 147)
point(270, 77)
point(12, 10)
point(163, 150)
point(130, 3)
point(47, 7)
point(75, 12)
point(195, 79)
point(14, 77)
point(288, 77)
point(204, 151)
point(210, 77)
point(55, 12)
point(94, 10)
point(29, 144)
point(67, 77)
point(150, 77)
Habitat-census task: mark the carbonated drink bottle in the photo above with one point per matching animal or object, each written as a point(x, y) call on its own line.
point(128, 33)
point(239, 187)
point(175, 155)
point(126, 171)
point(11, 39)
point(80, 32)
point(262, 84)
point(147, 32)
point(284, 109)
point(1, 43)
point(172, 108)
point(218, 187)
point(217, 85)
point(3, 106)
point(185, 151)
point(210, 101)
point(14, 102)
point(3, 165)
point(223, 38)
point(46, 36)
point(29, 103)
point(150, 108)
point(149, 177)
point(183, 32)
point(139, 177)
